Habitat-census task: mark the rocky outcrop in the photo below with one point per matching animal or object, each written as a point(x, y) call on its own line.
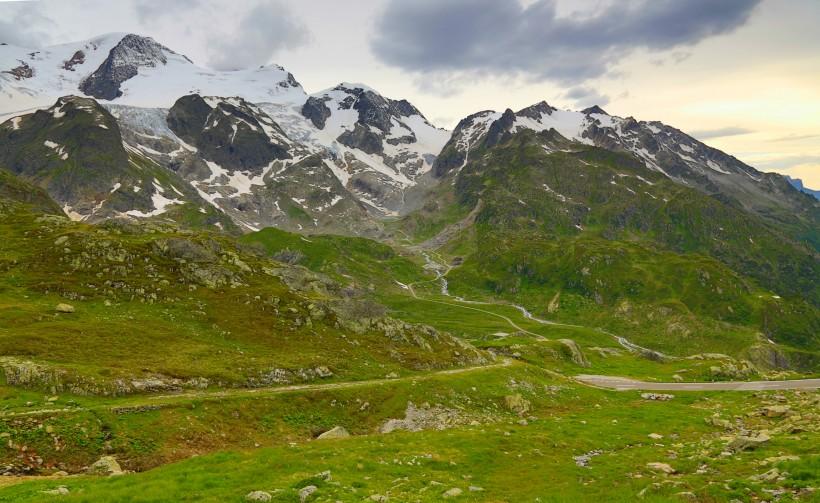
point(316, 111)
point(123, 62)
point(21, 72)
point(425, 418)
point(77, 59)
point(230, 132)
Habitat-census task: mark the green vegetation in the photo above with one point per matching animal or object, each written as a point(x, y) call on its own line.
point(211, 364)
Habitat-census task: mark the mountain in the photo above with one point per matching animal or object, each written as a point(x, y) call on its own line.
point(663, 149)
point(532, 211)
point(74, 150)
point(341, 160)
point(383, 146)
point(798, 184)
point(127, 69)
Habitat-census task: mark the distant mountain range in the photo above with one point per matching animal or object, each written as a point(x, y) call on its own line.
point(251, 149)
point(798, 184)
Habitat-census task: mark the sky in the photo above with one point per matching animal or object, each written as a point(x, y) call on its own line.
point(740, 75)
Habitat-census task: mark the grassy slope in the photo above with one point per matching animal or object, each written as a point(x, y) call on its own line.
point(179, 304)
point(508, 461)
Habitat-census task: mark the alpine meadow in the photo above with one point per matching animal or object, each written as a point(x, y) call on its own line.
point(217, 286)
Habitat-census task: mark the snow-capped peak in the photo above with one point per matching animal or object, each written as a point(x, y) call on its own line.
point(128, 69)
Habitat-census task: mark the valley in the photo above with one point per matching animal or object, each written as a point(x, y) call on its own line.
point(217, 287)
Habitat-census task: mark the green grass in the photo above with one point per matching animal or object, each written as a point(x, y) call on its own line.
point(508, 461)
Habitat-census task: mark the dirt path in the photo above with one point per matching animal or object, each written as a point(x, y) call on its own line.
point(176, 398)
point(623, 384)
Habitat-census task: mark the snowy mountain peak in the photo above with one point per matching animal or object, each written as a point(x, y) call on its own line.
point(537, 111)
point(123, 62)
point(106, 67)
point(594, 109)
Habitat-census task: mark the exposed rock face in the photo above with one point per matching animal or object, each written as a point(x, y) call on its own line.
point(500, 130)
point(122, 63)
point(595, 109)
point(230, 132)
point(77, 59)
point(75, 152)
point(424, 418)
point(363, 139)
point(658, 147)
point(21, 72)
point(537, 111)
point(316, 110)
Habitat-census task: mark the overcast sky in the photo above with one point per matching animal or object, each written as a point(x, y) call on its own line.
point(741, 75)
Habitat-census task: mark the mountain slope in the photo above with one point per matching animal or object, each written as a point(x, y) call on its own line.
point(661, 148)
point(579, 233)
point(378, 147)
point(74, 150)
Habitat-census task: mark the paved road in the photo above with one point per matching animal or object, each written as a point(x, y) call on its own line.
point(623, 384)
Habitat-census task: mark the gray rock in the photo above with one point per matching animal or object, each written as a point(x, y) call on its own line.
point(306, 492)
point(106, 465)
point(59, 491)
point(743, 442)
point(455, 492)
point(334, 433)
point(260, 496)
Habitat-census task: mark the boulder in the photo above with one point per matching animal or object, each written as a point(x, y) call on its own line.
point(58, 491)
point(261, 496)
point(517, 403)
point(64, 308)
point(743, 442)
point(455, 492)
point(106, 465)
point(575, 353)
point(776, 410)
point(661, 467)
point(306, 492)
point(334, 433)
point(657, 396)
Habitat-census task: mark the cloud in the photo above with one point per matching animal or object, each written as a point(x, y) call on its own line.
point(721, 132)
point(491, 36)
point(263, 30)
point(790, 162)
point(25, 25)
point(795, 137)
point(584, 97)
point(149, 11)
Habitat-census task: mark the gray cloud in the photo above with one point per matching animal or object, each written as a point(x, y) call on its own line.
point(265, 29)
point(720, 133)
point(149, 11)
point(25, 25)
point(488, 36)
point(584, 97)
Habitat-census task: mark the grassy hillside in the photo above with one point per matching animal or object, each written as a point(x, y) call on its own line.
point(151, 303)
point(590, 237)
